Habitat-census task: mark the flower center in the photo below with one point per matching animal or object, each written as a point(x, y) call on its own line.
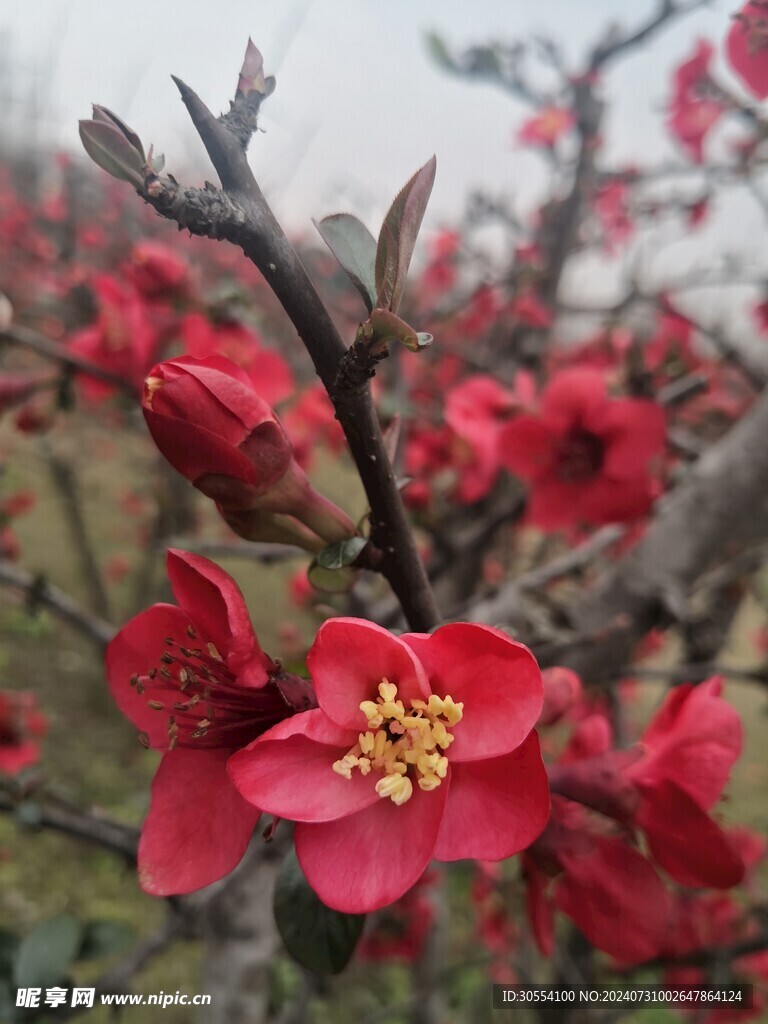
point(202, 698)
point(403, 744)
point(579, 456)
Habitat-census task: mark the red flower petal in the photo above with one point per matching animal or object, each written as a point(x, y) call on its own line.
point(746, 47)
point(216, 605)
point(495, 808)
point(616, 898)
point(136, 649)
point(693, 741)
point(198, 825)
point(685, 841)
point(289, 772)
point(497, 679)
point(634, 431)
point(575, 400)
point(527, 447)
point(538, 907)
point(370, 859)
point(349, 659)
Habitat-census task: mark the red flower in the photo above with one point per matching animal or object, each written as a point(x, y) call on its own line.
point(270, 374)
point(476, 410)
point(421, 747)
point(122, 340)
point(20, 724)
point(156, 270)
point(194, 679)
point(546, 127)
point(689, 748)
point(210, 424)
point(746, 47)
point(585, 455)
point(528, 309)
point(694, 109)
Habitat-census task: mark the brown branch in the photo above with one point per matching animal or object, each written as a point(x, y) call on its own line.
point(667, 10)
point(111, 835)
point(41, 594)
point(697, 672)
point(27, 338)
point(241, 215)
point(505, 603)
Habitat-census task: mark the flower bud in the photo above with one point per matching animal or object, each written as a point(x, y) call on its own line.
point(210, 424)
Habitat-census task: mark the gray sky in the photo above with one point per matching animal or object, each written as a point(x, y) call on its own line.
point(358, 107)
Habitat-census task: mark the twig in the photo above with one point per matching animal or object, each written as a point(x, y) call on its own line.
point(667, 10)
point(241, 215)
point(27, 338)
point(499, 607)
point(40, 593)
point(111, 835)
point(699, 671)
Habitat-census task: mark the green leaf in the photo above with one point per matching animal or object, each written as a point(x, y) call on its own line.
point(104, 937)
point(110, 149)
point(341, 554)
point(44, 956)
point(321, 939)
point(439, 52)
point(397, 238)
point(354, 247)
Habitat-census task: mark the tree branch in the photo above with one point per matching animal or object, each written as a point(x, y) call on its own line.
point(27, 338)
point(41, 594)
point(111, 835)
point(242, 216)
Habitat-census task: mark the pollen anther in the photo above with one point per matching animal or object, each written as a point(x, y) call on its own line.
point(404, 744)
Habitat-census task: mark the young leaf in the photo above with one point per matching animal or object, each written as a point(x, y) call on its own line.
point(354, 247)
point(341, 554)
point(439, 52)
point(105, 116)
point(321, 939)
point(110, 149)
point(397, 238)
point(44, 956)
point(330, 581)
point(252, 74)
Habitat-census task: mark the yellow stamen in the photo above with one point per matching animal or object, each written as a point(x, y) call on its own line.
point(403, 744)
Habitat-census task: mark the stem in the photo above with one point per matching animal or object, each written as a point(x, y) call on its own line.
point(245, 219)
